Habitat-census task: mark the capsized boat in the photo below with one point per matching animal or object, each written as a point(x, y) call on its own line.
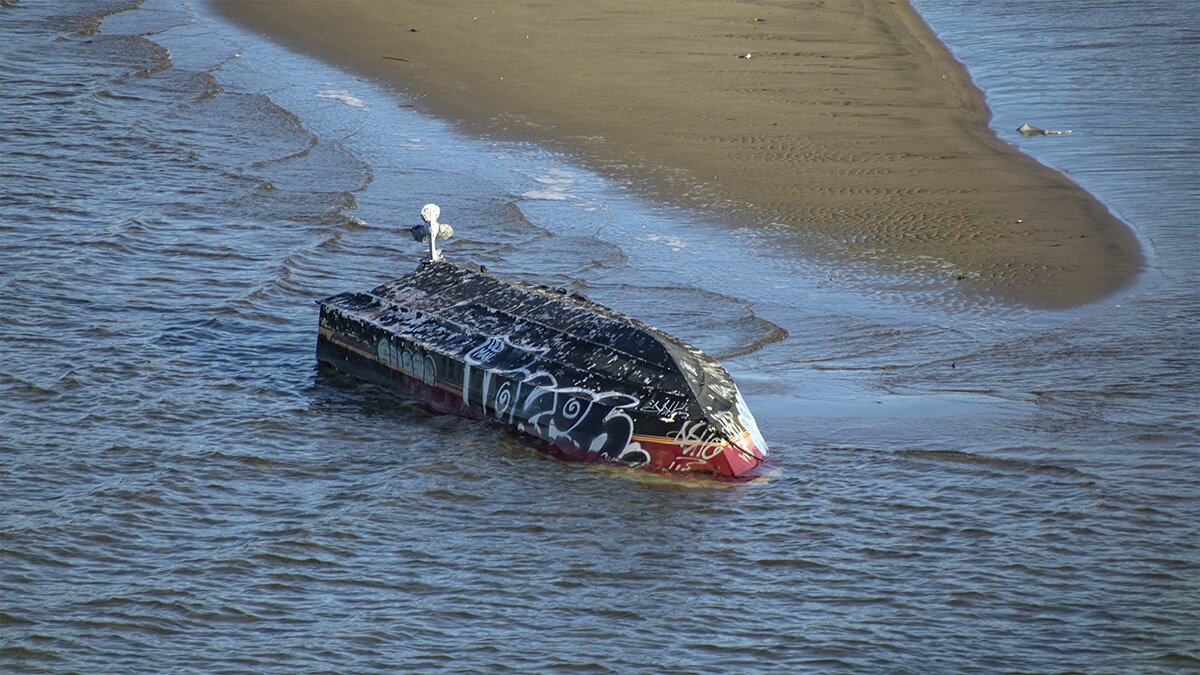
point(567, 375)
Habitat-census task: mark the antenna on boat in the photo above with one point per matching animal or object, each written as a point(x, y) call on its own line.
point(432, 230)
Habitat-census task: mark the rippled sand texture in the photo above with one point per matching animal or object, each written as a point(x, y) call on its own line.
point(849, 122)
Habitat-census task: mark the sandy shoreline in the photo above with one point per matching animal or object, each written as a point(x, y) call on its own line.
point(850, 122)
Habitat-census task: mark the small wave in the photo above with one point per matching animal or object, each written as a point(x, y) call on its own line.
point(1006, 463)
point(343, 96)
point(720, 324)
point(558, 185)
point(674, 243)
point(550, 195)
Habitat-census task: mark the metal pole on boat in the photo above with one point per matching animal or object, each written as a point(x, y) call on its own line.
point(430, 213)
point(432, 229)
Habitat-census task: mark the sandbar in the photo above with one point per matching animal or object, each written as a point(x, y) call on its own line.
point(850, 123)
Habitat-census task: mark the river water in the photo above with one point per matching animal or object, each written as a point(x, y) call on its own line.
point(959, 485)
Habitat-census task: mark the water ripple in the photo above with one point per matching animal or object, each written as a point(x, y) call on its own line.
point(957, 485)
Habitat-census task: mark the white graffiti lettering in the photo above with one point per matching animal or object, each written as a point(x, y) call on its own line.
point(667, 410)
point(634, 455)
point(728, 423)
point(486, 352)
point(533, 401)
point(697, 439)
point(686, 464)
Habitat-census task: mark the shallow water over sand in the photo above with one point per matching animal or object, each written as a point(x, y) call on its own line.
point(960, 485)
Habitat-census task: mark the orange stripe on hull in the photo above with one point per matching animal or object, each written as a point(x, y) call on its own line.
point(721, 459)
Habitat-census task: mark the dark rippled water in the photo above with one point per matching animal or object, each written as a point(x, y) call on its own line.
point(961, 486)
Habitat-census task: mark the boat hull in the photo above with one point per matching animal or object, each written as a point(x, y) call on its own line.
point(567, 375)
point(569, 423)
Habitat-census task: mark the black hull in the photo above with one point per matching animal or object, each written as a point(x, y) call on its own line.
point(544, 365)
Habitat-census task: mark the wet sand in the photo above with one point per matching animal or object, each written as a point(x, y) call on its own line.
point(850, 122)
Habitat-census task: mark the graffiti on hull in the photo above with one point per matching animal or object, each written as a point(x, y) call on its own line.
point(579, 380)
point(531, 399)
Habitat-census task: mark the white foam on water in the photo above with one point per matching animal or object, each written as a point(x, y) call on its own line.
point(343, 97)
